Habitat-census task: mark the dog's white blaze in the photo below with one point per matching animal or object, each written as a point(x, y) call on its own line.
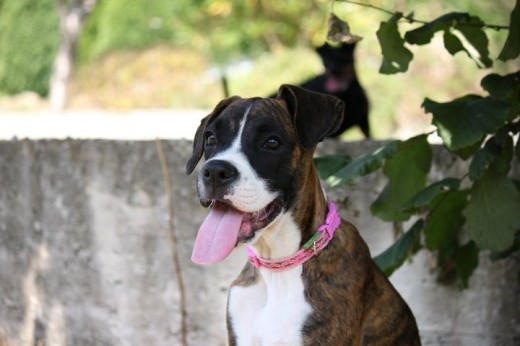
point(274, 309)
point(249, 193)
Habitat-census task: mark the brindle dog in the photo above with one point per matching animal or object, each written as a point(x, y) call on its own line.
point(263, 190)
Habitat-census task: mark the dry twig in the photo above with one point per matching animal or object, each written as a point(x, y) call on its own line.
point(173, 241)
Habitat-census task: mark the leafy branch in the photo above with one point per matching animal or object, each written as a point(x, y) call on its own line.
point(410, 18)
point(479, 128)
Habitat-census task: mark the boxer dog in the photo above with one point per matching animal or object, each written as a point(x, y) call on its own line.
point(310, 279)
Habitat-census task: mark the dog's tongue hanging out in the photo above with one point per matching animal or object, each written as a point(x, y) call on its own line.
point(217, 235)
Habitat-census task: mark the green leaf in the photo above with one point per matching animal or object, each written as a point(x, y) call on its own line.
point(474, 35)
point(424, 34)
point(504, 88)
point(466, 261)
point(396, 57)
point(492, 214)
point(393, 257)
point(445, 219)
point(467, 152)
point(445, 267)
point(511, 47)
point(504, 143)
point(424, 197)
point(452, 43)
point(517, 149)
point(481, 161)
point(517, 183)
point(363, 165)
point(474, 38)
point(465, 121)
point(496, 155)
point(328, 165)
point(406, 171)
point(495, 256)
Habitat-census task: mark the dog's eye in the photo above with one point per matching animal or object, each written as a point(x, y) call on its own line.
point(272, 143)
point(211, 140)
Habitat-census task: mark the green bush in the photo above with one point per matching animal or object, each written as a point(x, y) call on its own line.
point(114, 25)
point(29, 38)
point(223, 30)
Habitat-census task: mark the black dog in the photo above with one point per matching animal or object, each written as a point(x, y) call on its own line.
point(340, 80)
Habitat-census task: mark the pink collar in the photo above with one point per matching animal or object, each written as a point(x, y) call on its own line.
point(313, 247)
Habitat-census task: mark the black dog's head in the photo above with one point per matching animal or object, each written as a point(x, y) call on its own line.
point(339, 65)
point(254, 150)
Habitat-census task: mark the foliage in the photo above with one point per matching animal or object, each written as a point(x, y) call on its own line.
point(396, 254)
point(511, 48)
point(416, 155)
point(113, 25)
point(221, 29)
point(470, 27)
point(396, 56)
point(29, 39)
point(483, 205)
point(363, 165)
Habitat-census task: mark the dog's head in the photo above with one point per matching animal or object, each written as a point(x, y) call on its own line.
point(339, 66)
point(254, 150)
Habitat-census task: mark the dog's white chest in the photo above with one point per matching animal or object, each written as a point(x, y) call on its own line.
point(270, 312)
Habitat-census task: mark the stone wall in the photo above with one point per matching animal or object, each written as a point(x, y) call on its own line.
point(85, 255)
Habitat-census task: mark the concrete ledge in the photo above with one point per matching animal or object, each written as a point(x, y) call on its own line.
point(138, 124)
point(85, 256)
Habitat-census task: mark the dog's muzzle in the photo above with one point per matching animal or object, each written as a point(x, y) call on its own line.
point(216, 177)
point(226, 225)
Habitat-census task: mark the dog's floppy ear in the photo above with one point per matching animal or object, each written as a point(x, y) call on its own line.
point(315, 115)
point(198, 141)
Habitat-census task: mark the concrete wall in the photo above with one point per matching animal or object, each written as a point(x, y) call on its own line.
point(85, 257)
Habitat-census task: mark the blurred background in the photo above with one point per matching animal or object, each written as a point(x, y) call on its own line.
point(96, 58)
point(86, 226)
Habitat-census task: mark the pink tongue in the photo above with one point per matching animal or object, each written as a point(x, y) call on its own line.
point(217, 235)
point(333, 84)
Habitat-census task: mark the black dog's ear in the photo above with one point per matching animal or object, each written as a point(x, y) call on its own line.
point(315, 115)
point(198, 141)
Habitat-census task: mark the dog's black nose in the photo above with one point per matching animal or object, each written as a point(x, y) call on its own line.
point(218, 173)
